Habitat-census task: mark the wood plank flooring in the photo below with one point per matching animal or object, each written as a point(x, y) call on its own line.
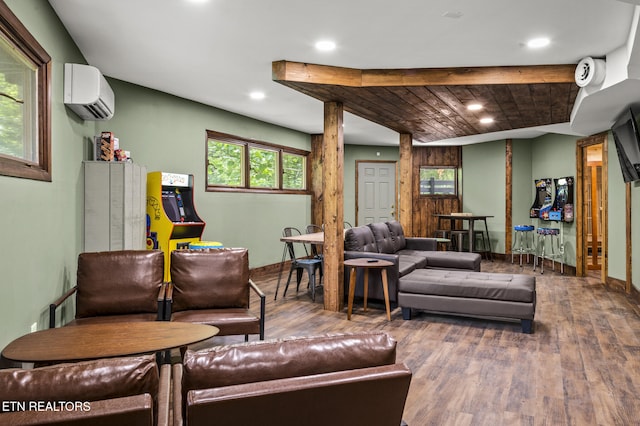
point(580, 367)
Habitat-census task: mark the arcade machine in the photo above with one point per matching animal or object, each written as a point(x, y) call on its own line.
point(173, 221)
point(542, 203)
point(560, 211)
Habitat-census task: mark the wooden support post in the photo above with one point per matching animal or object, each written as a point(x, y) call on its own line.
point(333, 202)
point(405, 208)
point(315, 179)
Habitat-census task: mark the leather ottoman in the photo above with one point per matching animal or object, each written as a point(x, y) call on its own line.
point(476, 294)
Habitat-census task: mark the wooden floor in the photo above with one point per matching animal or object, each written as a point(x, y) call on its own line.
point(580, 367)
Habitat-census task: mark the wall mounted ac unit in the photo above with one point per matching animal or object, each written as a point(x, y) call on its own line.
point(87, 92)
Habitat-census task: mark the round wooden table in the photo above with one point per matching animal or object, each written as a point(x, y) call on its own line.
point(91, 341)
point(366, 264)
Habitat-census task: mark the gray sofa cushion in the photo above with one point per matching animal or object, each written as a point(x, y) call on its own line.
point(397, 234)
point(383, 238)
point(360, 238)
point(474, 285)
point(454, 260)
point(407, 264)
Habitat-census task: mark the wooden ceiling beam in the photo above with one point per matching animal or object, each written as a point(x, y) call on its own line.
point(287, 71)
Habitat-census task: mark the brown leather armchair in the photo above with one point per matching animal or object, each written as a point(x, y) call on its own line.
point(116, 286)
point(130, 390)
point(344, 379)
point(212, 287)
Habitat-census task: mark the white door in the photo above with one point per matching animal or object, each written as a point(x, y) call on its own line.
point(376, 192)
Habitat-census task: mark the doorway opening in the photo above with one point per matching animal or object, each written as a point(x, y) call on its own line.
point(593, 208)
point(591, 220)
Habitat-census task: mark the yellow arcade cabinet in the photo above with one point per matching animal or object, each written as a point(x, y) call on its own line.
point(172, 217)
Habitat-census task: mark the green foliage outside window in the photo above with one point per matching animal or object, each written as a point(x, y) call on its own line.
point(438, 181)
point(225, 163)
point(263, 168)
point(11, 120)
point(25, 102)
point(17, 105)
point(293, 171)
point(237, 164)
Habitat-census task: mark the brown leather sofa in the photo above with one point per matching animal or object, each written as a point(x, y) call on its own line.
point(116, 286)
point(386, 241)
point(345, 379)
point(112, 391)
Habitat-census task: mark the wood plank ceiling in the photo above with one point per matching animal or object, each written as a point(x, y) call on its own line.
point(431, 104)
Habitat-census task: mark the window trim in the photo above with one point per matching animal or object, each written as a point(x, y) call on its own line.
point(16, 33)
point(249, 143)
point(456, 182)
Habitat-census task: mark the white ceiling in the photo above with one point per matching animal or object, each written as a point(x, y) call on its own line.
point(217, 51)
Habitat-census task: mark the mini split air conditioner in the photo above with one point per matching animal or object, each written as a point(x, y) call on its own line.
point(87, 92)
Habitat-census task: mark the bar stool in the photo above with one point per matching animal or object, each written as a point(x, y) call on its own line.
point(443, 236)
point(441, 233)
point(552, 236)
point(458, 237)
point(523, 241)
point(482, 238)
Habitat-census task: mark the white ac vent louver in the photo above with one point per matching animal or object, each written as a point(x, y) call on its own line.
point(87, 92)
point(590, 72)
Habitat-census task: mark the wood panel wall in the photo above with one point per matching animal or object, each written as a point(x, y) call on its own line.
point(424, 223)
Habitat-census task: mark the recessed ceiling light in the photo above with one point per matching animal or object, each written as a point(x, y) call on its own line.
point(536, 43)
point(474, 107)
point(325, 45)
point(257, 95)
point(486, 120)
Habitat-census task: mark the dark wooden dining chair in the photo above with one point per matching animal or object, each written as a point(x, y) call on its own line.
point(300, 264)
point(316, 249)
point(212, 286)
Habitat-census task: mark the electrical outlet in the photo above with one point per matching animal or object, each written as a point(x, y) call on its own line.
point(34, 327)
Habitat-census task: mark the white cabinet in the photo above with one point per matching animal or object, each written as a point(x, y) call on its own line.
point(115, 195)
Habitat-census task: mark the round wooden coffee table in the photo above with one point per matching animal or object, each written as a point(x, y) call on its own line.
point(366, 264)
point(91, 341)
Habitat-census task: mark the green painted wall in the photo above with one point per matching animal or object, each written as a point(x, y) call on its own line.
point(167, 133)
point(616, 216)
point(483, 187)
point(554, 156)
point(483, 164)
point(41, 221)
point(521, 182)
